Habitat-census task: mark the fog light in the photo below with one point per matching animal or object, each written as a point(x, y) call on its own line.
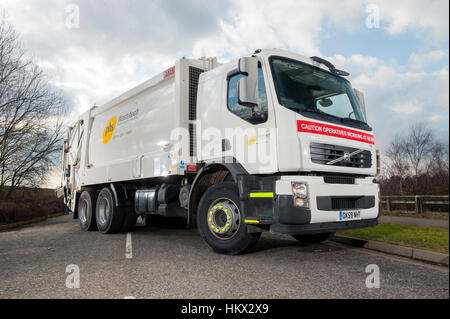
point(300, 202)
point(300, 190)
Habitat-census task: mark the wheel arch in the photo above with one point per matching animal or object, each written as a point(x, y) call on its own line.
point(210, 174)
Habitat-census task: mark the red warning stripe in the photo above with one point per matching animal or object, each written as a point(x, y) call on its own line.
point(335, 131)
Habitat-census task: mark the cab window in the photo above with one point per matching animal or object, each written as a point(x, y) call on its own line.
point(255, 115)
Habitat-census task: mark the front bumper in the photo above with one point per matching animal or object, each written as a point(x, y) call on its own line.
point(321, 214)
point(321, 196)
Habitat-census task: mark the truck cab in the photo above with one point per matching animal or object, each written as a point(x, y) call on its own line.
point(294, 135)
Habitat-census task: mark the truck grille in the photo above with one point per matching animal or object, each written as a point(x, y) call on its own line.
point(194, 75)
point(329, 203)
point(339, 179)
point(324, 153)
point(192, 146)
point(343, 203)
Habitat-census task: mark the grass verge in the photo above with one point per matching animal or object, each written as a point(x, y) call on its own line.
point(429, 238)
point(426, 215)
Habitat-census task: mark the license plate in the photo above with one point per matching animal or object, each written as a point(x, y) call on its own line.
point(349, 215)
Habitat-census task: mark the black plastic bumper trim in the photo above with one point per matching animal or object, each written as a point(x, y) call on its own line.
point(289, 214)
point(321, 227)
point(330, 203)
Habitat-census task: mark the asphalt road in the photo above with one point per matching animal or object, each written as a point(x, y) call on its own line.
point(165, 262)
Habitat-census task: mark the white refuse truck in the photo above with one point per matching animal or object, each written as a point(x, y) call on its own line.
point(274, 141)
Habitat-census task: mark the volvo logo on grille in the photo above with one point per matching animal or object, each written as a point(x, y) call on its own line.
point(346, 158)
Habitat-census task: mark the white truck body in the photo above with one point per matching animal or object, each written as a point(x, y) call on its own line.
point(188, 128)
point(115, 143)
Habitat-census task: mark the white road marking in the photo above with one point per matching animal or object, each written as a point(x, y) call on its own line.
point(128, 247)
point(129, 297)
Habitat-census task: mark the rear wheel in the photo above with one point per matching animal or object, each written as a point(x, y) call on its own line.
point(109, 217)
point(86, 210)
point(221, 223)
point(312, 238)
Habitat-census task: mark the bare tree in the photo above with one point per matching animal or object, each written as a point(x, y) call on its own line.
point(418, 146)
point(31, 115)
point(439, 159)
point(417, 163)
point(397, 164)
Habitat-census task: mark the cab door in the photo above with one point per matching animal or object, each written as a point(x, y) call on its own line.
point(235, 132)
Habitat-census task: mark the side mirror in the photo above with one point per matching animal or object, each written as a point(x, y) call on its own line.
point(360, 97)
point(248, 85)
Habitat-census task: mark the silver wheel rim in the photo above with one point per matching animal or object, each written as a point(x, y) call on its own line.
point(82, 211)
point(103, 211)
point(223, 218)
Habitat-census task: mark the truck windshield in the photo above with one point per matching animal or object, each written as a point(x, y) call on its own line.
point(316, 93)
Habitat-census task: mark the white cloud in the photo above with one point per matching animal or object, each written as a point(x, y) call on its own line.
point(418, 61)
point(266, 24)
point(428, 18)
point(409, 108)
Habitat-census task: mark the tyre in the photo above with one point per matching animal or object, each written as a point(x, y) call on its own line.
point(109, 217)
point(86, 210)
point(312, 238)
point(129, 220)
point(220, 222)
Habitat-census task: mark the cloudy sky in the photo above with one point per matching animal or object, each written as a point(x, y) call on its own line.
point(402, 64)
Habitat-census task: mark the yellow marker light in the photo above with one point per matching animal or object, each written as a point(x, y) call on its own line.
point(215, 207)
point(252, 221)
point(217, 230)
point(211, 212)
point(228, 217)
point(210, 220)
point(223, 229)
point(261, 195)
point(220, 206)
point(299, 202)
point(226, 210)
point(212, 226)
point(228, 225)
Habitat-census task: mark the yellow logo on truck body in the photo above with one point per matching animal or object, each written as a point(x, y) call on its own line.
point(252, 140)
point(109, 129)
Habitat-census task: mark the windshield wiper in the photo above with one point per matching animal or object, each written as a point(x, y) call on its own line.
point(320, 113)
point(343, 120)
point(348, 119)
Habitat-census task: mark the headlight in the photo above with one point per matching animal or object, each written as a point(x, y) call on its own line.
point(300, 190)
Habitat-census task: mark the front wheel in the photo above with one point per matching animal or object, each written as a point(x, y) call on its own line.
point(221, 223)
point(312, 238)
